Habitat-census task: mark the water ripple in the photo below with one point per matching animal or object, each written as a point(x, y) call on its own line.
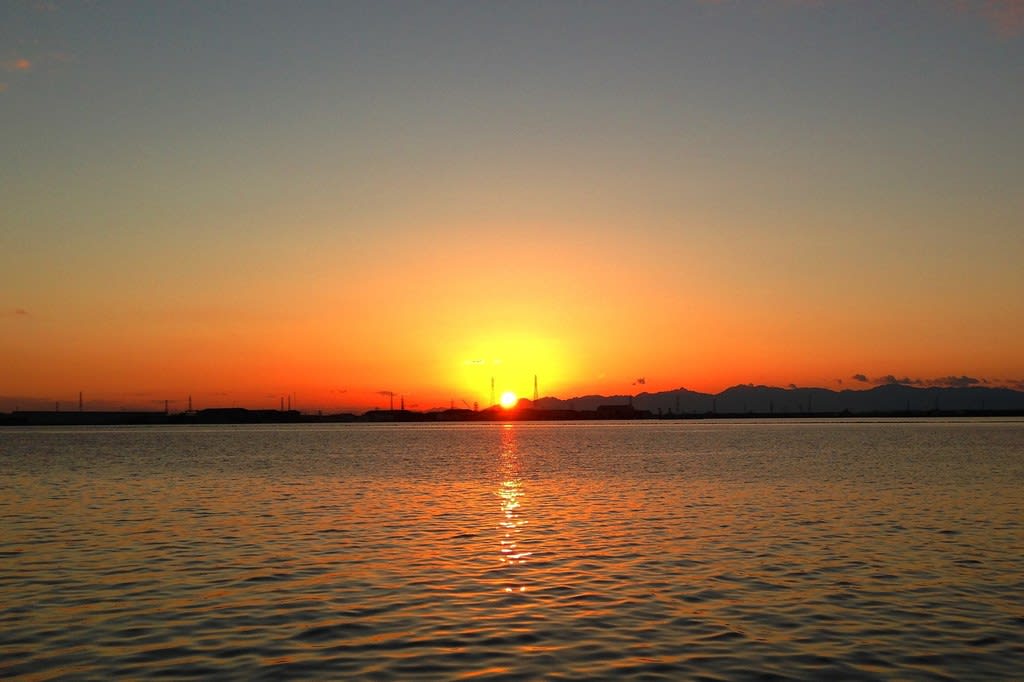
point(643, 551)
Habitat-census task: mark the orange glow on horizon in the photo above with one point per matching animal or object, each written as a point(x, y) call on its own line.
point(578, 319)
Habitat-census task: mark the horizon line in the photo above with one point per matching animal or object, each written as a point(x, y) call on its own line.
point(77, 404)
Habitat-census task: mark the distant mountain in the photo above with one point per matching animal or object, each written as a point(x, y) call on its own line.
point(745, 399)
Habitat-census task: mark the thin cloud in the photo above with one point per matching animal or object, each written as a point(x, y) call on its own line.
point(951, 381)
point(861, 378)
point(19, 64)
point(15, 313)
point(954, 381)
point(891, 379)
point(1006, 16)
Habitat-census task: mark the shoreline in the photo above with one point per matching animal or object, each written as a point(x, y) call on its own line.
point(246, 416)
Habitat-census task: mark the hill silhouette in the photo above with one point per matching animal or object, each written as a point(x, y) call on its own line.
point(771, 400)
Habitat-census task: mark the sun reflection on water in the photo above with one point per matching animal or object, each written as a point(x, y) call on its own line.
point(512, 518)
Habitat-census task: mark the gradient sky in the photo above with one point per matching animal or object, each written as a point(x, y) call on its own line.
point(242, 201)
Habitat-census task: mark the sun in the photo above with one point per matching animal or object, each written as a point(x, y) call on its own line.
point(508, 399)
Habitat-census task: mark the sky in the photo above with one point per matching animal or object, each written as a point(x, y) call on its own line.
point(333, 202)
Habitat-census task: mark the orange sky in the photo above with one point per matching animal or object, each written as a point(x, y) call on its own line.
point(584, 315)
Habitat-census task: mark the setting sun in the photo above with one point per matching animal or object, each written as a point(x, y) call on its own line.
point(508, 399)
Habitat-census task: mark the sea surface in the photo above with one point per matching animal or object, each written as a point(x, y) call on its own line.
point(648, 550)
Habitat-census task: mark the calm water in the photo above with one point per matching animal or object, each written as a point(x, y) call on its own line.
point(558, 551)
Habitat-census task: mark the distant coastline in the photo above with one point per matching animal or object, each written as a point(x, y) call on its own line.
point(738, 402)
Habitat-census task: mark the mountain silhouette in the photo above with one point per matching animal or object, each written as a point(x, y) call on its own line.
point(745, 399)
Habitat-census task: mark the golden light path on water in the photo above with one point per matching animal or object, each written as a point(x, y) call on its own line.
point(513, 518)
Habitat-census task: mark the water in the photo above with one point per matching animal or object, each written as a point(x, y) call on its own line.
point(559, 551)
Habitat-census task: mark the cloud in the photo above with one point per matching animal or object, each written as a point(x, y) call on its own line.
point(1006, 16)
point(890, 379)
point(19, 64)
point(39, 63)
point(950, 381)
point(16, 313)
point(954, 382)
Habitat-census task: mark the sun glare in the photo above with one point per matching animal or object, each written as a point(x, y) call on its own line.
point(508, 399)
point(502, 360)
